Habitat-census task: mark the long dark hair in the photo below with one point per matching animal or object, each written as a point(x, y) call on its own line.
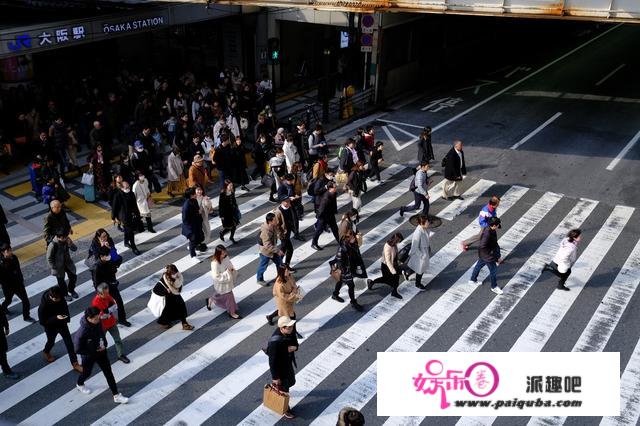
point(217, 255)
point(573, 234)
point(281, 273)
point(395, 239)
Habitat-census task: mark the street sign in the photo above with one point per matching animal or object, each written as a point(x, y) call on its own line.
point(368, 23)
point(366, 43)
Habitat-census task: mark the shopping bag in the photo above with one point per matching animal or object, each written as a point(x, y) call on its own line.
point(275, 399)
point(341, 179)
point(156, 304)
point(87, 178)
point(89, 193)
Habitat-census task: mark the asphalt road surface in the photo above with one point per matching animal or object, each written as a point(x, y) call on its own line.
point(569, 118)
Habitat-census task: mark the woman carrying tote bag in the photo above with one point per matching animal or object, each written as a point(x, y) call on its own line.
point(169, 288)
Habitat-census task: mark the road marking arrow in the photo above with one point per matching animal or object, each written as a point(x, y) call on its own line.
point(477, 86)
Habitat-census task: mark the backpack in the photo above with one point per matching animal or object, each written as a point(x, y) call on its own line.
point(311, 187)
point(412, 185)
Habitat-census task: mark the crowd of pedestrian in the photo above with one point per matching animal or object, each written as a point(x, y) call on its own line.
point(205, 130)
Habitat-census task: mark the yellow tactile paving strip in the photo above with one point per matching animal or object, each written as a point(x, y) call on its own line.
point(96, 217)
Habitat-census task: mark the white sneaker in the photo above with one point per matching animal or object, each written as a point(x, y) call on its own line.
point(497, 290)
point(120, 399)
point(82, 388)
point(475, 282)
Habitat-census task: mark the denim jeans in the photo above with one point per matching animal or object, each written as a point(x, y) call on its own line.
point(264, 262)
point(493, 271)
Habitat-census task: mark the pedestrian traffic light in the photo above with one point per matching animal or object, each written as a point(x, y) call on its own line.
point(274, 49)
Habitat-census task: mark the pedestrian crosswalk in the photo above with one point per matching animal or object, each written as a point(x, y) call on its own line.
point(214, 375)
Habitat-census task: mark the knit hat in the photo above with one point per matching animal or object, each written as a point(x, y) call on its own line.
point(197, 158)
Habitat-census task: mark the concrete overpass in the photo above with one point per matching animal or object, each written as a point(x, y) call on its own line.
point(594, 10)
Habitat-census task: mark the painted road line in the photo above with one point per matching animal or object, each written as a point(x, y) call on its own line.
point(153, 392)
point(606, 77)
point(580, 96)
point(363, 389)
point(629, 391)
point(536, 131)
point(19, 190)
point(411, 135)
point(522, 80)
point(550, 315)
point(596, 334)
point(496, 312)
point(624, 152)
point(540, 329)
point(232, 384)
point(46, 282)
point(145, 258)
point(602, 324)
point(345, 345)
point(401, 123)
point(458, 206)
point(163, 342)
point(394, 141)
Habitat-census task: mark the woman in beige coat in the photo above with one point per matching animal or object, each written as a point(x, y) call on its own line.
point(224, 279)
point(286, 293)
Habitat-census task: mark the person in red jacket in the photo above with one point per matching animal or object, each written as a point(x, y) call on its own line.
point(107, 304)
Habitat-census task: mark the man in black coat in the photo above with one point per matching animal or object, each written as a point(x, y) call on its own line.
point(489, 255)
point(4, 235)
point(4, 332)
point(125, 213)
point(53, 315)
point(192, 221)
point(326, 215)
point(281, 351)
point(12, 281)
point(56, 219)
point(454, 171)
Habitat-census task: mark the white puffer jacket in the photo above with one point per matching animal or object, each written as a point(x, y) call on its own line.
point(566, 255)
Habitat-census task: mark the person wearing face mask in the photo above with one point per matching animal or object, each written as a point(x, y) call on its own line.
point(192, 221)
point(105, 272)
point(91, 343)
point(125, 213)
point(229, 211)
point(143, 199)
point(125, 169)
point(224, 279)
point(259, 155)
point(206, 208)
point(169, 286)
point(143, 161)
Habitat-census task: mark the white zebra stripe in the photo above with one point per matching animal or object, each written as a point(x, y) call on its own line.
point(596, 334)
point(332, 357)
point(629, 393)
point(550, 315)
point(458, 206)
point(359, 393)
point(70, 402)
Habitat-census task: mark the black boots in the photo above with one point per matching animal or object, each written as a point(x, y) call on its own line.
point(150, 225)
